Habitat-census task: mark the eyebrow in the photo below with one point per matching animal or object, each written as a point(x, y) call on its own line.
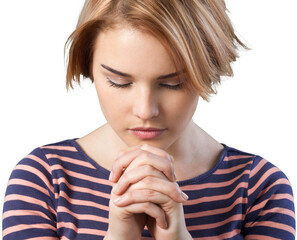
point(170, 75)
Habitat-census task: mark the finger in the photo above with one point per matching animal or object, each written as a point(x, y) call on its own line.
point(139, 157)
point(150, 209)
point(166, 187)
point(157, 151)
point(129, 149)
point(162, 164)
point(132, 176)
point(142, 196)
point(122, 162)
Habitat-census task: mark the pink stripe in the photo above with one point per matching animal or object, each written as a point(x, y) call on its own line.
point(235, 217)
point(43, 238)
point(36, 172)
point(239, 200)
point(66, 148)
point(271, 224)
point(13, 213)
point(232, 169)
point(273, 197)
point(70, 225)
point(80, 189)
point(65, 238)
point(195, 187)
point(217, 197)
point(258, 167)
point(31, 200)
point(237, 157)
point(21, 227)
point(279, 181)
point(279, 211)
point(71, 160)
point(222, 236)
point(254, 236)
point(82, 216)
point(41, 162)
point(83, 202)
point(82, 176)
point(262, 179)
point(28, 184)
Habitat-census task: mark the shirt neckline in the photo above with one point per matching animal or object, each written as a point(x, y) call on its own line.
point(180, 183)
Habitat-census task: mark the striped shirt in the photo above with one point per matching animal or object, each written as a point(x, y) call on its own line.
point(59, 192)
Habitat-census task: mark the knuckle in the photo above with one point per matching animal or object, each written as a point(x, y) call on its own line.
point(120, 154)
point(116, 163)
point(145, 155)
point(130, 195)
point(149, 194)
point(173, 188)
point(140, 151)
point(147, 205)
point(125, 178)
point(148, 180)
point(169, 169)
point(143, 158)
point(148, 169)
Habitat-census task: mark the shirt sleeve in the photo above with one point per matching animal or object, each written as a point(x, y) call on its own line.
point(270, 210)
point(29, 210)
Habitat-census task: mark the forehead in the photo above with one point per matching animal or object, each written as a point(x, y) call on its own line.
point(132, 51)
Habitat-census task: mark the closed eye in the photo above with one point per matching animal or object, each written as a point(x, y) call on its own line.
point(173, 87)
point(168, 86)
point(113, 84)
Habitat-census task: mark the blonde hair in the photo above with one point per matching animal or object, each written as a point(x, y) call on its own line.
point(197, 33)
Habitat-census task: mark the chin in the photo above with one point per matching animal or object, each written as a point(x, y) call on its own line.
point(158, 143)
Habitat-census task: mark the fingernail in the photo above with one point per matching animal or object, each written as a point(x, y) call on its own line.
point(110, 176)
point(184, 196)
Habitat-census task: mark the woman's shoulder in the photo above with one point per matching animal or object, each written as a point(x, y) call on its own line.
point(260, 171)
point(55, 153)
point(61, 147)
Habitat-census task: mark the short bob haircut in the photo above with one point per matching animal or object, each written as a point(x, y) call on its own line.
point(197, 34)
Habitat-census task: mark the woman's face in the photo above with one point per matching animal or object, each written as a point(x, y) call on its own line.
point(140, 91)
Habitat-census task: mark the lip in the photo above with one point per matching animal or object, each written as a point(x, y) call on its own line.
point(147, 132)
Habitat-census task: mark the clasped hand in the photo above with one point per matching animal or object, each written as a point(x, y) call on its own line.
point(145, 192)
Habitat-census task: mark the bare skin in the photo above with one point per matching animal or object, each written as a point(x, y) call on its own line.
point(146, 192)
point(99, 146)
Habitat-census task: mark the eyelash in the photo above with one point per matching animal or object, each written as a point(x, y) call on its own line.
point(174, 87)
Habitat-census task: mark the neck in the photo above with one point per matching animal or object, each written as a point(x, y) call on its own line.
point(194, 152)
point(195, 149)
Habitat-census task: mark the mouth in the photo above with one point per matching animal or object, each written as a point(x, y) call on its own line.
point(146, 133)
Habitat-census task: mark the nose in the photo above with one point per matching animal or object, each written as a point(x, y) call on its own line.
point(145, 104)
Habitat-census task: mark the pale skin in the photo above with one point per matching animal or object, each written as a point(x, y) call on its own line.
point(146, 192)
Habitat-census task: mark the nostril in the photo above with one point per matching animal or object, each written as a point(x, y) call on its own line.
point(146, 111)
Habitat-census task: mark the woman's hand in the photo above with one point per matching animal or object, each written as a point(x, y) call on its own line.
point(125, 223)
point(148, 181)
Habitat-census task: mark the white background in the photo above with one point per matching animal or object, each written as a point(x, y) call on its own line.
point(255, 111)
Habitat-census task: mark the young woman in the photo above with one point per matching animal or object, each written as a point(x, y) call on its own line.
point(150, 172)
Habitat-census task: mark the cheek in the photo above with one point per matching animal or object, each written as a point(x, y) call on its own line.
point(182, 110)
point(112, 105)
